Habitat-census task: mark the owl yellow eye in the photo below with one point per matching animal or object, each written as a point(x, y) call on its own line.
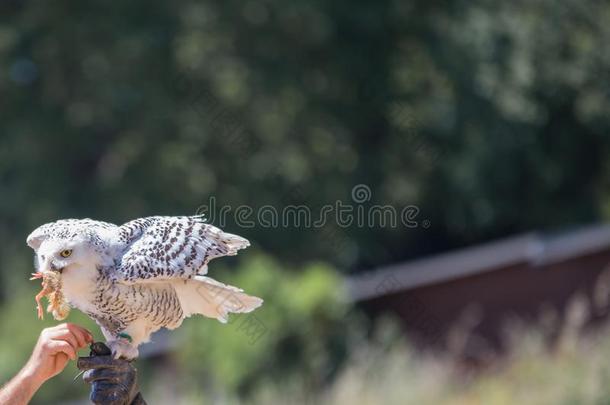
point(66, 253)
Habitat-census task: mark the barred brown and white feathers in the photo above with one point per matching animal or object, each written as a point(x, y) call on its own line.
point(165, 248)
point(146, 274)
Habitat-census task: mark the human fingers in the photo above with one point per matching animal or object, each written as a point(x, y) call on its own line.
point(65, 335)
point(74, 328)
point(82, 335)
point(60, 346)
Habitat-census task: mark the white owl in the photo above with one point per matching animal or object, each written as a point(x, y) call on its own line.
point(139, 277)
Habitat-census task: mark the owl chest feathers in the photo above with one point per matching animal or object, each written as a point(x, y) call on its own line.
point(117, 305)
point(79, 287)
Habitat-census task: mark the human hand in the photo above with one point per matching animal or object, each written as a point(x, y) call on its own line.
point(113, 381)
point(55, 347)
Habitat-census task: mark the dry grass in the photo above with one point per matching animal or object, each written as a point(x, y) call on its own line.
point(575, 371)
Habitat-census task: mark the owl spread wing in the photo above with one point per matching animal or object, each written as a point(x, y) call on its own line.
point(169, 248)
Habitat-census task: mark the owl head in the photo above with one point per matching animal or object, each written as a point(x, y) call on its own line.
point(64, 245)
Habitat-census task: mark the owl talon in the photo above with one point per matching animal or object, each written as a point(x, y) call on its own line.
point(122, 348)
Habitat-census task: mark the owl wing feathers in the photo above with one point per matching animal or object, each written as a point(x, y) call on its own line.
point(172, 250)
point(169, 248)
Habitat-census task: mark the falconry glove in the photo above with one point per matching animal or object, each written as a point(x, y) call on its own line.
point(113, 381)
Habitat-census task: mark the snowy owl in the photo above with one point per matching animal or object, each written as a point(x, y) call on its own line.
point(136, 278)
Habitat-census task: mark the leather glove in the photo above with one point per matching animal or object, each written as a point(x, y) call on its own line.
point(113, 381)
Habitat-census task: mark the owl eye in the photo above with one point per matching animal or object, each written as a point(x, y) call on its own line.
point(65, 253)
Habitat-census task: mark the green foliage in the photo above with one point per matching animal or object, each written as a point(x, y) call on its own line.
point(152, 109)
point(491, 118)
point(299, 331)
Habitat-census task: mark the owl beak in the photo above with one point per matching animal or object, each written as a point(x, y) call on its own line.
point(55, 268)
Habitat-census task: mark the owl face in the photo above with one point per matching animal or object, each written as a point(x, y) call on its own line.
point(63, 255)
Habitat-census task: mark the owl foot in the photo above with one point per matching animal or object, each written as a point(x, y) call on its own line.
point(122, 348)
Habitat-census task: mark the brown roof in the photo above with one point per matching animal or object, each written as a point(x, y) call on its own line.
point(532, 248)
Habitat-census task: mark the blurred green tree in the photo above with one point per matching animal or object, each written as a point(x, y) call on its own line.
point(490, 118)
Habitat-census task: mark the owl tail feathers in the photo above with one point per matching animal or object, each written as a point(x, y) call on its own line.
point(208, 297)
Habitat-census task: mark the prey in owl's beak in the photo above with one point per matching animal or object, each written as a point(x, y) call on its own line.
point(36, 276)
point(51, 288)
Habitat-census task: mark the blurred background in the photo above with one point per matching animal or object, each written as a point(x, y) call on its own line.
point(468, 140)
